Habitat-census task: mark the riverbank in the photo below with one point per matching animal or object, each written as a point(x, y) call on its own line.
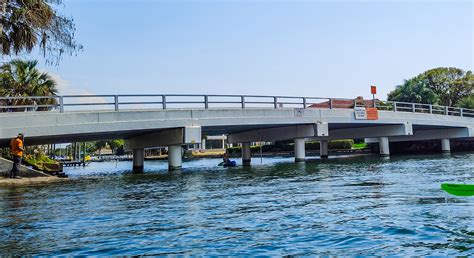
point(28, 175)
point(5, 181)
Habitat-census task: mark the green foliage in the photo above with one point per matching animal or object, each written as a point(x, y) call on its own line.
point(100, 144)
point(288, 146)
point(40, 159)
point(362, 145)
point(414, 90)
point(27, 24)
point(20, 79)
point(234, 150)
point(467, 102)
point(450, 84)
point(442, 86)
point(115, 144)
point(340, 144)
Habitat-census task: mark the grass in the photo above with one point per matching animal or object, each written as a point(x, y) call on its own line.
point(359, 145)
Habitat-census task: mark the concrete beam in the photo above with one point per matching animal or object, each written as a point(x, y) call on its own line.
point(432, 134)
point(323, 149)
point(138, 160)
point(246, 154)
point(176, 136)
point(384, 147)
point(175, 154)
point(300, 152)
point(276, 133)
point(372, 131)
point(445, 146)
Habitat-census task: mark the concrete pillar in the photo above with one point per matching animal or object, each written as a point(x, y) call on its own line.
point(138, 159)
point(300, 152)
point(384, 147)
point(323, 149)
point(246, 155)
point(445, 146)
point(203, 143)
point(175, 159)
point(223, 143)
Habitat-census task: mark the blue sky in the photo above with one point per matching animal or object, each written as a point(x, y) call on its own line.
point(310, 48)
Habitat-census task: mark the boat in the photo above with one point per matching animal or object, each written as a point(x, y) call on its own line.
point(459, 189)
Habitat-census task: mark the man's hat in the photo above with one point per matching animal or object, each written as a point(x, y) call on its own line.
point(20, 135)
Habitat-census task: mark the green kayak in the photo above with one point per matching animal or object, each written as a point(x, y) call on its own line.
point(459, 189)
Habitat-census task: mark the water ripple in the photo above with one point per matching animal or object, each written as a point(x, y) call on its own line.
point(355, 206)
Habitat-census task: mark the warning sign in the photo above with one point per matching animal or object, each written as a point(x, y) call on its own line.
point(372, 114)
point(362, 113)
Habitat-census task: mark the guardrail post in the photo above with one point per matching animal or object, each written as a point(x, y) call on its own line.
point(61, 104)
point(275, 102)
point(330, 103)
point(431, 109)
point(242, 101)
point(163, 101)
point(116, 102)
point(446, 110)
point(304, 102)
point(461, 112)
point(206, 102)
point(394, 106)
point(413, 107)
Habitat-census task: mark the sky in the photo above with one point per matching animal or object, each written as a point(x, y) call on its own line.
point(289, 48)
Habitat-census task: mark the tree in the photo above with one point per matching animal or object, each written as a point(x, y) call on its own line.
point(115, 144)
point(442, 86)
point(28, 23)
point(99, 145)
point(414, 90)
point(450, 84)
point(467, 102)
point(22, 79)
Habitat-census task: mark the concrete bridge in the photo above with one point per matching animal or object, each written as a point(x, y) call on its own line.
point(147, 121)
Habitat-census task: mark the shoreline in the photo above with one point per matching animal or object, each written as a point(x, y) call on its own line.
point(6, 181)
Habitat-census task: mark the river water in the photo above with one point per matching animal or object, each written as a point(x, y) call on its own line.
point(346, 206)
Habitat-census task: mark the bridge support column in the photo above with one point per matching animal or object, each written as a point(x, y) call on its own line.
point(384, 147)
point(323, 149)
point(246, 155)
point(300, 152)
point(175, 157)
point(138, 160)
point(445, 146)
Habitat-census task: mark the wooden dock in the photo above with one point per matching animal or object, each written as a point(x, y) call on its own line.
point(75, 163)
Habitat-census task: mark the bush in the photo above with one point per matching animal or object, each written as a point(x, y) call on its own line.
point(42, 159)
point(341, 144)
point(285, 146)
point(312, 145)
point(234, 150)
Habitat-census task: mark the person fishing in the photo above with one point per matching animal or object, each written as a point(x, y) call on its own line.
point(16, 150)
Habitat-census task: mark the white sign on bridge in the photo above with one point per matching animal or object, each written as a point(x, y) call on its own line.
point(360, 113)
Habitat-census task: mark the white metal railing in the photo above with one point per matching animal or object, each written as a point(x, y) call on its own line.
point(170, 101)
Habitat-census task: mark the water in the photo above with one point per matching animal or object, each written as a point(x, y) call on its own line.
point(352, 206)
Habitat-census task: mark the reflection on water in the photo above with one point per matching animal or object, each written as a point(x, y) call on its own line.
point(358, 205)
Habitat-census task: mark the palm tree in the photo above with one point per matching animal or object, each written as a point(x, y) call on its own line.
point(26, 24)
point(20, 78)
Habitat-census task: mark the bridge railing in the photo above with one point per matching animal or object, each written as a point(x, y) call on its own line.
point(175, 101)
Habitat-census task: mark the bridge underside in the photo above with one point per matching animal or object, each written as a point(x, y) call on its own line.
point(216, 130)
point(173, 128)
